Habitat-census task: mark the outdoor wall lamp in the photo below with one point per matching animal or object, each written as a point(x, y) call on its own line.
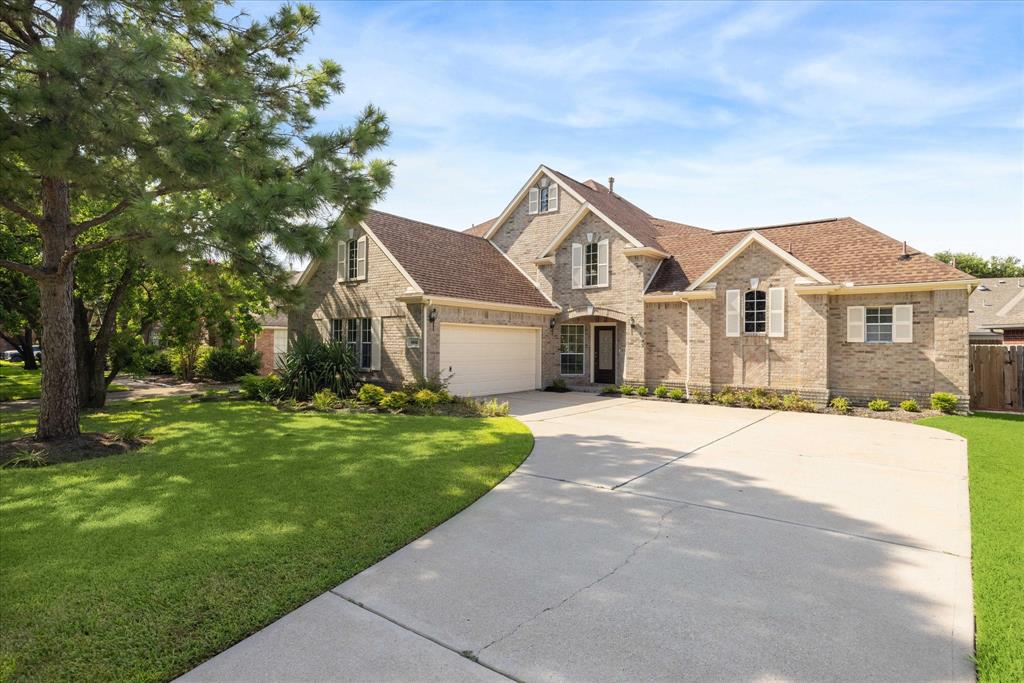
point(632, 322)
point(551, 324)
point(432, 316)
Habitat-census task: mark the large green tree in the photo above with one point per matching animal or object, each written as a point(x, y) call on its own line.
point(979, 266)
point(194, 129)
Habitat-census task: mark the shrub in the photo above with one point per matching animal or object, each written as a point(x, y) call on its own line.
point(266, 389)
point(558, 385)
point(492, 408)
point(325, 400)
point(627, 390)
point(396, 400)
point(226, 364)
point(726, 397)
point(444, 397)
point(132, 431)
point(676, 394)
point(187, 359)
point(910, 405)
point(436, 383)
point(760, 398)
point(311, 365)
point(700, 396)
point(609, 389)
point(841, 404)
point(371, 394)
point(661, 391)
point(149, 360)
point(425, 398)
point(641, 391)
point(26, 458)
point(796, 404)
point(878, 405)
point(944, 401)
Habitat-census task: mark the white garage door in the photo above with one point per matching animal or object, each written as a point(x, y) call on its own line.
point(484, 360)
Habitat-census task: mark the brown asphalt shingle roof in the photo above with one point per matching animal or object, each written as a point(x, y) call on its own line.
point(841, 249)
point(480, 229)
point(449, 263)
point(996, 301)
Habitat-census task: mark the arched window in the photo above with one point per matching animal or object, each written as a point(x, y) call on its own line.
point(755, 304)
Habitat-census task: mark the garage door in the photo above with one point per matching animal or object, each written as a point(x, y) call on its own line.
point(484, 360)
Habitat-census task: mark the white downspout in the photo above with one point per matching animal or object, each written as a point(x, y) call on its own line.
point(426, 307)
point(689, 351)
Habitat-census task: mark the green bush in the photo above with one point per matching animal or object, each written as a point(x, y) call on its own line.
point(726, 397)
point(186, 360)
point(761, 398)
point(878, 405)
point(676, 394)
point(266, 389)
point(944, 401)
point(558, 385)
point(661, 391)
point(642, 391)
point(150, 360)
point(841, 404)
point(700, 396)
point(609, 389)
point(434, 383)
point(396, 400)
point(226, 364)
point(444, 397)
point(627, 390)
point(796, 404)
point(492, 408)
point(311, 365)
point(910, 406)
point(371, 394)
point(325, 401)
point(425, 398)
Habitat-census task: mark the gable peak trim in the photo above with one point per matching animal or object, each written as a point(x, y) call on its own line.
point(760, 239)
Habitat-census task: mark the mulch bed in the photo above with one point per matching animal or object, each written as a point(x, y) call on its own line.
point(27, 452)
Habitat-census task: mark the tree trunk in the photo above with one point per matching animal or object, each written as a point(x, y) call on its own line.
point(28, 354)
point(58, 402)
point(92, 353)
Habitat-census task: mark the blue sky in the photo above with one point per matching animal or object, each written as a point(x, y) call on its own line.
point(909, 117)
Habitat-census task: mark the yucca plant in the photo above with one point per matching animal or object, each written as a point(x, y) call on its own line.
point(311, 365)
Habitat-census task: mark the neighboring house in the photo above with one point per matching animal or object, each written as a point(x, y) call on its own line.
point(997, 311)
point(272, 340)
point(573, 282)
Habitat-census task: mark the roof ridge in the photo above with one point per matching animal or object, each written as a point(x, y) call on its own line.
point(430, 225)
point(782, 225)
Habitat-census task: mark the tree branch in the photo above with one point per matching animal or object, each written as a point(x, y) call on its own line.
point(33, 273)
point(79, 228)
point(71, 253)
point(20, 210)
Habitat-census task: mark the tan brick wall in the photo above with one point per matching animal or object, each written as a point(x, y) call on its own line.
point(327, 298)
point(936, 359)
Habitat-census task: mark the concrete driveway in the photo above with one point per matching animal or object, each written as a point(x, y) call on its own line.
point(645, 540)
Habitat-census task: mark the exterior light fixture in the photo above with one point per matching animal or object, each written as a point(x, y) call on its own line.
point(551, 324)
point(432, 316)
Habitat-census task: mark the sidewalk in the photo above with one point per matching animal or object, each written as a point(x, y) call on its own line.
point(137, 388)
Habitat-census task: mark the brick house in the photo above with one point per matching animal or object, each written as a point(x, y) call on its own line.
point(573, 282)
point(997, 311)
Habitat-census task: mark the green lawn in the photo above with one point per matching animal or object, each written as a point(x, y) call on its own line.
point(995, 445)
point(140, 566)
point(17, 383)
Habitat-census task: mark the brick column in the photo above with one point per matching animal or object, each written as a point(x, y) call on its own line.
point(952, 335)
point(698, 347)
point(813, 326)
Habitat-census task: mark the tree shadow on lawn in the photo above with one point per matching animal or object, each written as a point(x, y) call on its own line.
point(140, 565)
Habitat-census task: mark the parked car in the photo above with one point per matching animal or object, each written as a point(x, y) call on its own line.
point(14, 356)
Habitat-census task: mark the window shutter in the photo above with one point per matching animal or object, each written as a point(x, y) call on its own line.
point(376, 327)
point(577, 265)
point(732, 313)
point(602, 263)
point(361, 258)
point(776, 311)
point(854, 323)
point(903, 323)
point(534, 200)
point(553, 197)
point(342, 259)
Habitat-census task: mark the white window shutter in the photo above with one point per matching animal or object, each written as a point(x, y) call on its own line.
point(602, 263)
point(776, 311)
point(553, 197)
point(577, 265)
point(342, 259)
point(854, 323)
point(376, 328)
point(534, 200)
point(903, 323)
point(361, 258)
point(732, 313)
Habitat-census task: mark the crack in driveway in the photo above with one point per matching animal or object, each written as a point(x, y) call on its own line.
point(629, 558)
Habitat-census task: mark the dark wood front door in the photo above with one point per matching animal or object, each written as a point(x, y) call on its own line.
point(604, 355)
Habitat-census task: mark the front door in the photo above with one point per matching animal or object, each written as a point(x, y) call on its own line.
point(604, 355)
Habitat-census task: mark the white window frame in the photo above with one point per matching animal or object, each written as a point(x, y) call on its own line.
point(591, 249)
point(759, 296)
point(581, 330)
point(351, 260)
point(878, 325)
point(337, 330)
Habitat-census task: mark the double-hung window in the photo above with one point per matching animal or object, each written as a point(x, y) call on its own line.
point(878, 324)
point(755, 304)
point(590, 264)
point(570, 348)
point(337, 331)
point(359, 337)
point(353, 259)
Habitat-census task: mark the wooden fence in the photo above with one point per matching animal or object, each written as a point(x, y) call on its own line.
point(997, 377)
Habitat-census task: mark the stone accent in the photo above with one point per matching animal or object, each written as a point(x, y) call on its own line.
point(936, 359)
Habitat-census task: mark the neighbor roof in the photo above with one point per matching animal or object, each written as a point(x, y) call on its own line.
point(455, 264)
point(841, 249)
point(997, 301)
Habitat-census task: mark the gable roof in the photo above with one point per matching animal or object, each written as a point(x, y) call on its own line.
point(448, 263)
point(841, 249)
point(997, 301)
point(480, 229)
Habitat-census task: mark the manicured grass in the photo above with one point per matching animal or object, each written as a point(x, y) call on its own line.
point(17, 383)
point(140, 566)
point(995, 444)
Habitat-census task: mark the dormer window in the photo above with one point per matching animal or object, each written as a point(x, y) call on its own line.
point(543, 199)
point(353, 259)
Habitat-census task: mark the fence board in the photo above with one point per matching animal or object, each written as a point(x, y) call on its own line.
point(997, 377)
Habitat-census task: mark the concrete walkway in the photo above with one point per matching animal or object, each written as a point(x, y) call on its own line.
point(652, 541)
